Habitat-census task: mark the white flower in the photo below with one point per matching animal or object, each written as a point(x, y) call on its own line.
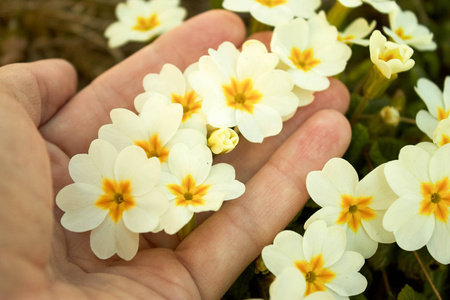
point(390, 58)
point(390, 115)
point(311, 50)
point(174, 85)
point(441, 135)
point(438, 104)
point(420, 215)
point(155, 130)
point(405, 29)
point(274, 12)
point(358, 207)
point(244, 89)
point(383, 6)
point(114, 195)
point(223, 140)
point(193, 185)
point(291, 284)
point(356, 32)
point(319, 258)
point(140, 20)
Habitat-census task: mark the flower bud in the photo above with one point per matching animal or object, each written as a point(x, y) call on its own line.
point(390, 115)
point(222, 140)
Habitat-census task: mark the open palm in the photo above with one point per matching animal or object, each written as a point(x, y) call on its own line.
point(43, 123)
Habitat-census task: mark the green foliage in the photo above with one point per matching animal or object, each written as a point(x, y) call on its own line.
point(408, 293)
point(360, 138)
point(384, 150)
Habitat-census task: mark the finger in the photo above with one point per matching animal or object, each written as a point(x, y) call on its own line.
point(41, 87)
point(264, 37)
point(218, 251)
point(248, 157)
point(82, 117)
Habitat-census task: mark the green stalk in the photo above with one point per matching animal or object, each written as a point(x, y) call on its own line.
point(184, 232)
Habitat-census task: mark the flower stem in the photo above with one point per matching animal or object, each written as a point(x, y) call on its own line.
point(184, 232)
point(337, 14)
point(359, 110)
point(416, 255)
point(408, 120)
point(256, 26)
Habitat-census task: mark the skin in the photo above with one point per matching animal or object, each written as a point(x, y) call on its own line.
point(44, 122)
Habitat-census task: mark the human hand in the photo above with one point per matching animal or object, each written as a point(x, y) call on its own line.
point(43, 123)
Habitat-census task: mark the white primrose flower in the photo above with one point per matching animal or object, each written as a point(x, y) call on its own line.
point(441, 135)
point(420, 215)
point(405, 29)
point(383, 6)
point(140, 20)
point(438, 104)
point(193, 185)
point(389, 57)
point(311, 50)
point(244, 89)
point(319, 259)
point(274, 12)
point(114, 195)
point(358, 207)
point(356, 32)
point(174, 85)
point(155, 130)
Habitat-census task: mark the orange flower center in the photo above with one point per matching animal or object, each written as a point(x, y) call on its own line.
point(190, 106)
point(442, 114)
point(303, 60)
point(271, 3)
point(146, 24)
point(445, 139)
point(354, 210)
point(345, 39)
point(154, 148)
point(390, 54)
point(241, 95)
point(188, 193)
point(116, 198)
point(436, 199)
point(401, 34)
point(315, 274)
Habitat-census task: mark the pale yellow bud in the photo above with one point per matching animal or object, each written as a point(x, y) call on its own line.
point(390, 115)
point(223, 140)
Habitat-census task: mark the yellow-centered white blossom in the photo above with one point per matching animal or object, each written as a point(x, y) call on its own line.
point(390, 58)
point(356, 32)
point(114, 195)
point(405, 29)
point(140, 20)
point(314, 261)
point(244, 89)
point(311, 51)
point(357, 206)
point(420, 214)
point(383, 6)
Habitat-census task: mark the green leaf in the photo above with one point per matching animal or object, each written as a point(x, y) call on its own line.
point(360, 138)
point(385, 255)
point(384, 150)
point(408, 293)
point(358, 297)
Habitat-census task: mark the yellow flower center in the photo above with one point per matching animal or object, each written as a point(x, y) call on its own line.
point(146, 24)
point(445, 139)
point(188, 193)
point(354, 210)
point(442, 114)
point(303, 60)
point(315, 274)
point(153, 148)
point(436, 199)
point(271, 3)
point(401, 34)
point(241, 95)
point(390, 54)
point(190, 106)
point(116, 198)
point(345, 39)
